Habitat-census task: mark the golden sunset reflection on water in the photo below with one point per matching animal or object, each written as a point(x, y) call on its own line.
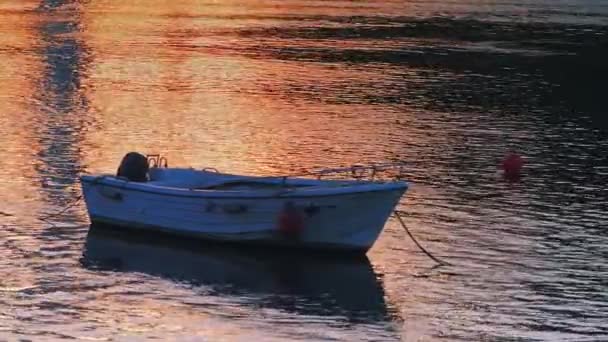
point(19, 120)
point(281, 87)
point(177, 93)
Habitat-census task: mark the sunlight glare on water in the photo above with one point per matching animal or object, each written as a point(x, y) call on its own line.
point(278, 87)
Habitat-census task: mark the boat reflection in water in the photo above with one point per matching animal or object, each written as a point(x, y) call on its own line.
point(297, 283)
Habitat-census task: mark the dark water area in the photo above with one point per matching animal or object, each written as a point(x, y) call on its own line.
point(277, 87)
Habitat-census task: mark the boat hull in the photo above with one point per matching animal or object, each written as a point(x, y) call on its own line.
point(346, 220)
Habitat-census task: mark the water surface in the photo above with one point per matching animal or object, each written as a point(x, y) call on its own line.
point(277, 87)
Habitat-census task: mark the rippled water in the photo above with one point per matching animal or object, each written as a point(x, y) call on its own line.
point(274, 87)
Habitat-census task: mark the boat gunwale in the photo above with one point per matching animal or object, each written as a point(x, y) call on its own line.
point(303, 192)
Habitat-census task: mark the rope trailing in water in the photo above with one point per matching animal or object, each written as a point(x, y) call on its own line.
point(49, 216)
point(62, 211)
point(437, 260)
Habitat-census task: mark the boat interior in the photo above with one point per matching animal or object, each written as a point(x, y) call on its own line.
point(211, 180)
point(154, 170)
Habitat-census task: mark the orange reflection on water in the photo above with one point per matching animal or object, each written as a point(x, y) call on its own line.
point(19, 191)
point(179, 90)
point(19, 65)
point(152, 96)
point(173, 90)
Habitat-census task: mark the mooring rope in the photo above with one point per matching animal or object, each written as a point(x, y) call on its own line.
point(77, 200)
point(437, 260)
point(72, 203)
point(62, 211)
point(45, 218)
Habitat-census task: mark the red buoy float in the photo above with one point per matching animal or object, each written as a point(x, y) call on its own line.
point(290, 221)
point(512, 165)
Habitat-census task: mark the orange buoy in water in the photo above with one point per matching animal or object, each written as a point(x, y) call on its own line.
point(512, 165)
point(291, 221)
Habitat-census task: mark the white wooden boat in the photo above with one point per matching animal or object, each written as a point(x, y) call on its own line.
point(344, 215)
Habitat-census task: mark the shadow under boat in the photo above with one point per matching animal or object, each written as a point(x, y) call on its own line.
point(309, 284)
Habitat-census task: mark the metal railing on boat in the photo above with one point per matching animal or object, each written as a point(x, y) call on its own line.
point(386, 171)
point(394, 171)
